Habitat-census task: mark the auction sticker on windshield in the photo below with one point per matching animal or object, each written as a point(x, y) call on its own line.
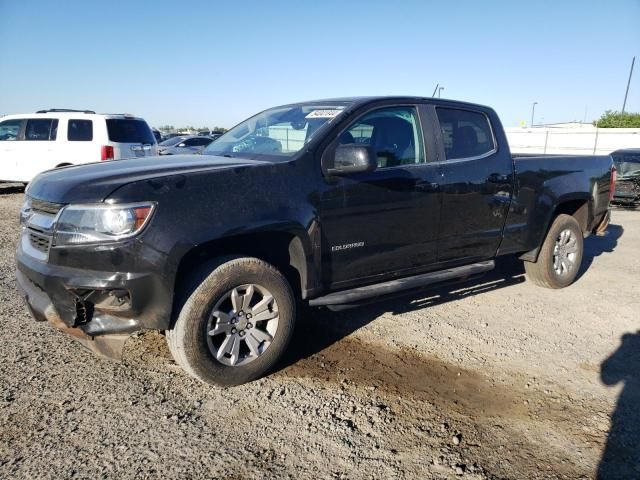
point(324, 113)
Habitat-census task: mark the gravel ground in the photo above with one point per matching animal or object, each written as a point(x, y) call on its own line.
point(495, 378)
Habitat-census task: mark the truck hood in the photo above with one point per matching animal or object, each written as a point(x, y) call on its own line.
point(94, 182)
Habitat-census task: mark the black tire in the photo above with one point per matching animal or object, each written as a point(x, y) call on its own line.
point(188, 339)
point(542, 272)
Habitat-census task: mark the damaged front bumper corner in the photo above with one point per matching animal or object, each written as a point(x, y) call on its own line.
point(109, 346)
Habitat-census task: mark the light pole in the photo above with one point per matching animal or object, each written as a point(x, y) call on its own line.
point(626, 93)
point(533, 109)
point(440, 90)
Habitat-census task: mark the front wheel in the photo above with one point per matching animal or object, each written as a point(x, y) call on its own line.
point(560, 256)
point(236, 324)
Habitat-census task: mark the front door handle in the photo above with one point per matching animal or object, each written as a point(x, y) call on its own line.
point(427, 187)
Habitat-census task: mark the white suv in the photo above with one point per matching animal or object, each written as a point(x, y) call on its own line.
point(32, 143)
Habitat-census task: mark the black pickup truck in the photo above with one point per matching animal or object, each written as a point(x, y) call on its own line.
point(326, 203)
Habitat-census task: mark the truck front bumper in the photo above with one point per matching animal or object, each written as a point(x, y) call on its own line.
point(100, 309)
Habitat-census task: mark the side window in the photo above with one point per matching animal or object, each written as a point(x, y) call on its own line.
point(465, 133)
point(41, 129)
point(9, 130)
point(80, 130)
point(193, 142)
point(394, 133)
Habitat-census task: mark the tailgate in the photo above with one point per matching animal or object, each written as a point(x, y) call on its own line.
point(131, 138)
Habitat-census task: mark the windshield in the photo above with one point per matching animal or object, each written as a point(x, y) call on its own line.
point(170, 142)
point(627, 164)
point(277, 133)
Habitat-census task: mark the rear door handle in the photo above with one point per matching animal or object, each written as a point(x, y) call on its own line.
point(497, 178)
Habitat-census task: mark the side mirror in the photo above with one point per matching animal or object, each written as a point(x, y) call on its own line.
point(353, 158)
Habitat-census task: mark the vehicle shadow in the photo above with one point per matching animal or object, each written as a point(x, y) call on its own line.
point(318, 329)
point(621, 456)
point(594, 246)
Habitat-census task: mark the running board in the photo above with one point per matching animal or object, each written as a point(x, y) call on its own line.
point(379, 289)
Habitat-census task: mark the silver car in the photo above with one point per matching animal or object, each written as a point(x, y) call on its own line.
point(184, 145)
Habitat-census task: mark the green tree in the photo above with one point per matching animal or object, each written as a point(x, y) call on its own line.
point(612, 119)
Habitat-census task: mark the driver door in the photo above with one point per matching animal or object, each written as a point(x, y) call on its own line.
point(383, 223)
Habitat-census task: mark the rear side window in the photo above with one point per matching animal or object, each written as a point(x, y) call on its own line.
point(465, 133)
point(9, 130)
point(80, 130)
point(41, 129)
point(197, 142)
point(129, 131)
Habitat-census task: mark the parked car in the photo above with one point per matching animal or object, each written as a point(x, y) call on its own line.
point(328, 203)
point(627, 162)
point(156, 134)
point(168, 136)
point(188, 145)
point(170, 142)
point(32, 143)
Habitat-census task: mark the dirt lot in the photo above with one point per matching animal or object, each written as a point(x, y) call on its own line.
point(491, 379)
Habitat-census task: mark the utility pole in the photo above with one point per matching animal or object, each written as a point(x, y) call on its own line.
point(533, 109)
point(624, 104)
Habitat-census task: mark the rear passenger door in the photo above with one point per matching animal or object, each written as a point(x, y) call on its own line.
point(476, 185)
point(35, 152)
point(79, 146)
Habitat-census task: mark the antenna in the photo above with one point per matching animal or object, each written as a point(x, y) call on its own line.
point(435, 90)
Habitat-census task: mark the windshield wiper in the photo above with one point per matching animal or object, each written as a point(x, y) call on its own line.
point(228, 155)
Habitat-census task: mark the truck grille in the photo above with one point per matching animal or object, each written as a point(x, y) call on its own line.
point(39, 241)
point(624, 187)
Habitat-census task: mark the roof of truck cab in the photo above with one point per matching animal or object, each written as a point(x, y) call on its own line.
point(358, 101)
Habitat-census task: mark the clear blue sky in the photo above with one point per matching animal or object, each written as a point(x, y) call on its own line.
point(215, 63)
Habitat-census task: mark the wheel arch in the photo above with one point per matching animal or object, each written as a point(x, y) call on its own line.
point(578, 206)
point(289, 251)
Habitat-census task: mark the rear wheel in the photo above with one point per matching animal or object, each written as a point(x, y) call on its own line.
point(236, 323)
point(560, 256)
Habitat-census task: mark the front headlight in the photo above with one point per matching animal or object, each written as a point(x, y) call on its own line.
point(79, 224)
